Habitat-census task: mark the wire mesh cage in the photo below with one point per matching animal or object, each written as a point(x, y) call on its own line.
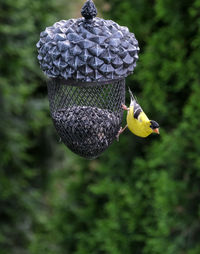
point(87, 117)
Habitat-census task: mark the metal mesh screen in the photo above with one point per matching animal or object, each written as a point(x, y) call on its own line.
point(86, 117)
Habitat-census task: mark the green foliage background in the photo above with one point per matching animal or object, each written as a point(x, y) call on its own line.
point(142, 196)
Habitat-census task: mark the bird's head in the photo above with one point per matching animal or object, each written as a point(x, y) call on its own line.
point(154, 126)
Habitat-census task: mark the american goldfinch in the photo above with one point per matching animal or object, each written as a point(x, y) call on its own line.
point(137, 121)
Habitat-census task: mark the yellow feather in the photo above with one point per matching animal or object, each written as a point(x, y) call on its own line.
point(141, 126)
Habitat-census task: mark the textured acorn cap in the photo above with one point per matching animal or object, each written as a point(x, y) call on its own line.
point(87, 49)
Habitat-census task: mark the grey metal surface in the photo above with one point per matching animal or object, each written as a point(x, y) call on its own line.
point(87, 49)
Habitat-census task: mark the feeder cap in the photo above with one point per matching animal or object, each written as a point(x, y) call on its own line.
point(87, 49)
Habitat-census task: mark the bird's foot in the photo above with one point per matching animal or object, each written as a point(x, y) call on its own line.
point(124, 107)
point(120, 132)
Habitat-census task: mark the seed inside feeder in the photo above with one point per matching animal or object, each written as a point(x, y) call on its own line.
point(86, 130)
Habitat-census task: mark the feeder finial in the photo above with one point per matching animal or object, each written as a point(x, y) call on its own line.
point(89, 10)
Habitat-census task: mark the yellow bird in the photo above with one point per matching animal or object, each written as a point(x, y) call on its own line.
point(137, 121)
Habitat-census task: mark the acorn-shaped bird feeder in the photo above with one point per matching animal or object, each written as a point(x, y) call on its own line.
point(86, 61)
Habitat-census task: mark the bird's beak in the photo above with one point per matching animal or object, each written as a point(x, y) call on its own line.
point(156, 131)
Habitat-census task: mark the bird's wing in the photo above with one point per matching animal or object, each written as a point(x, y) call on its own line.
point(137, 110)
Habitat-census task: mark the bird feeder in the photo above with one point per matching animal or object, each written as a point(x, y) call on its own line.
point(86, 61)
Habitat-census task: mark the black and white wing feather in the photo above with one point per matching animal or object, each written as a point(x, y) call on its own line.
point(136, 107)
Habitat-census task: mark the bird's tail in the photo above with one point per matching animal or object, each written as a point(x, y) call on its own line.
point(133, 99)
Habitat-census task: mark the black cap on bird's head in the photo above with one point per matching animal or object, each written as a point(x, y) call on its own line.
point(154, 126)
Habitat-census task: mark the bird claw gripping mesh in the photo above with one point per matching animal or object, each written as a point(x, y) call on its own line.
point(86, 61)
